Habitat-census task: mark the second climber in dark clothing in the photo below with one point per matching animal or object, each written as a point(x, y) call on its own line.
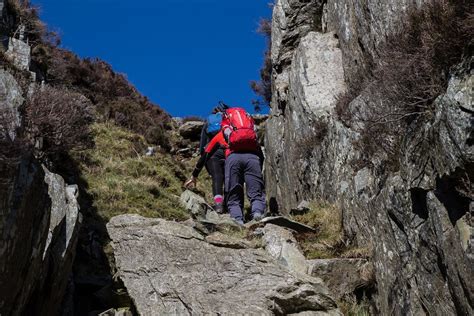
point(216, 160)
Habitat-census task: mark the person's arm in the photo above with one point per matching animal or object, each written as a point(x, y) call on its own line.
point(210, 149)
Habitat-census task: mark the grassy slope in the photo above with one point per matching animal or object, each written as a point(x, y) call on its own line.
point(122, 180)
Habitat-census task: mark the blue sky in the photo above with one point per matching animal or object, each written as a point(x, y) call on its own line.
point(185, 55)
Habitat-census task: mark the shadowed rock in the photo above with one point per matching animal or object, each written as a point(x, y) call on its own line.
point(39, 225)
point(343, 276)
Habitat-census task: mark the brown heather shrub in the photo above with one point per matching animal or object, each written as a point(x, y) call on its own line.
point(263, 87)
point(413, 69)
point(59, 120)
point(127, 113)
point(111, 93)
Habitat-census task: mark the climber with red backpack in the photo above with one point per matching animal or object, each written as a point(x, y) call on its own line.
point(243, 163)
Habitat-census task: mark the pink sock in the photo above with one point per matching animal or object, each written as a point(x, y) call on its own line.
point(218, 199)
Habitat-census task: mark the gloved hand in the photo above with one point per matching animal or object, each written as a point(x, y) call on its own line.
point(190, 183)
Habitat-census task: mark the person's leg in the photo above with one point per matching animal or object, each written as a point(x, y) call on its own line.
point(234, 181)
point(219, 182)
point(217, 174)
point(255, 185)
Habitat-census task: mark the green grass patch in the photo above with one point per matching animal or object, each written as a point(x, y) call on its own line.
point(122, 180)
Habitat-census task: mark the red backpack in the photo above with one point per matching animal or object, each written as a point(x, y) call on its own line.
point(242, 137)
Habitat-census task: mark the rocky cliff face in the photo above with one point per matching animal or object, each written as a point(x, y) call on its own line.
point(38, 225)
point(417, 220)
point(39, 213)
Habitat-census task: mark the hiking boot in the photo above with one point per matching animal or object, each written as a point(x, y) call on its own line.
point(258, 217)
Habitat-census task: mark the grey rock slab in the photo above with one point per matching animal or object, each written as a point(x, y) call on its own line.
point(304, 99)
point(282, 245)
point(19, 53)
point(166, 274)
point(64, 209)
point(317, 76)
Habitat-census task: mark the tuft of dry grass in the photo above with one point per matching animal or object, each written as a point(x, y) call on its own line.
point(326, 242)
point(354, 308)
point(329, 240)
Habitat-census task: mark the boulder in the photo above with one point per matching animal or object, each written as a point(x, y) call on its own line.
point(191, 130)
point(150, 151)
point(168, 268)
point(282, 245)
point(19, 53)
point(195, 204)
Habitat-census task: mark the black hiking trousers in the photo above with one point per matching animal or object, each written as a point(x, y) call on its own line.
point(215, 166)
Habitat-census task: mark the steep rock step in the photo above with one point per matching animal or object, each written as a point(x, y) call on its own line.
point(169, 268)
